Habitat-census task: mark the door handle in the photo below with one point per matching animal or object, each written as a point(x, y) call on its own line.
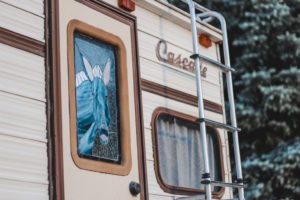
point(134, 188)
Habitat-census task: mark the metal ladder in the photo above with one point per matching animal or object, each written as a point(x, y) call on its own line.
point(207, 16)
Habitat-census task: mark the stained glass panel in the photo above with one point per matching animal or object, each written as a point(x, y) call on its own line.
point(97, 111)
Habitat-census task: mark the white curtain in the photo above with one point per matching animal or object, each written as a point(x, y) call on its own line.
point(180, 153)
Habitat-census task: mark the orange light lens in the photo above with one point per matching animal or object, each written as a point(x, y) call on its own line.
point(205, 41)
point(127, 5)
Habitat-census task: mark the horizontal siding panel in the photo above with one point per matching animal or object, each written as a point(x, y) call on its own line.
point(21, 22)
point(22, 73)
point(159, 197)
point(178, 80)
point(23, 160)
point(153, 185)
point(148, 44)
point(161, 70)
point(152, 28)
point(13, 190)
point(22, 117)
point(33, 6)
point(160, 27)
point(149, 144)
point(152, 101)
point(154, 70)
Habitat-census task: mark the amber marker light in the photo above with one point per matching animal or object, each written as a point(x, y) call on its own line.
point(128, 5)
point(205, 41)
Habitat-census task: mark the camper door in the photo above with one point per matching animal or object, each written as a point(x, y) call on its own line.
point(99, 106)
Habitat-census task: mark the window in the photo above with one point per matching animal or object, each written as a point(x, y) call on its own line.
point(178, 153)
point(97, 112)
point(99, 121)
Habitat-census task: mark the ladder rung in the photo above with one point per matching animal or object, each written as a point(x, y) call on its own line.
point(195, 197)
point(219, 125)
point(223, 184)
point(224, 67)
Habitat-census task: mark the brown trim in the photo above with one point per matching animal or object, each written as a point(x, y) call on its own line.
point(54, 110)
point(175, 189)
point(54, 85)
point(22, 42)
point(177, 95)
point(139, 114)
point(124, 167)
point(48, 105)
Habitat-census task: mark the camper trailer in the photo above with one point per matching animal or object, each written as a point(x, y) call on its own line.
point(115, 100)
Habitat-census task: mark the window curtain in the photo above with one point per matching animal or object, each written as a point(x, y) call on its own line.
point(180, 153)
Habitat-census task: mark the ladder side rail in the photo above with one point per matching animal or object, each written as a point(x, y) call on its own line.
point(230, 96)
point(199, 8)
point(209, 16)
point(200, 101)
point(195, 5)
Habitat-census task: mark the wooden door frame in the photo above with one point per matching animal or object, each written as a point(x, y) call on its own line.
point(54, 109)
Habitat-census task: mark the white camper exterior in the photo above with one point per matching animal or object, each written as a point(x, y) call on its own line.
point(23, 102)
point(38, 149)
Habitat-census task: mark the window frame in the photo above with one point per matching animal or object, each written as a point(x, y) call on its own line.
point(124, 166)
point(175, 189)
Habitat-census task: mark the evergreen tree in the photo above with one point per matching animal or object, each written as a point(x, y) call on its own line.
point(274, 175)
point(265, 50)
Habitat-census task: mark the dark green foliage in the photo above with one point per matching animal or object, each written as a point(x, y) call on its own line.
point(274, 175)
point(265, 49)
